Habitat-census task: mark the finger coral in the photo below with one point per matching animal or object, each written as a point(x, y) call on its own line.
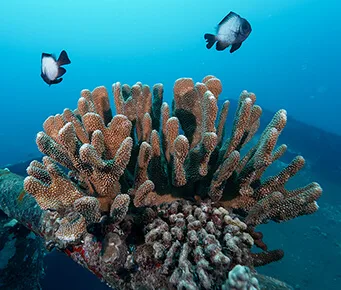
point(155, 197)
point(208, 239)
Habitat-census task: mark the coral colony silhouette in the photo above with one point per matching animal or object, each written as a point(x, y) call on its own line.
point(157, 198)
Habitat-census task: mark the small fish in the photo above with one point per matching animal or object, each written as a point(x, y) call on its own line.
point(231, 30)
point(21, 196)
point(51, 70)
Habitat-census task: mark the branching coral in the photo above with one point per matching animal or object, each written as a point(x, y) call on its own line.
point(197, 243)
point(163, 186)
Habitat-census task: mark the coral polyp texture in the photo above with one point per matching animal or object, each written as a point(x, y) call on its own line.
point(156, 197)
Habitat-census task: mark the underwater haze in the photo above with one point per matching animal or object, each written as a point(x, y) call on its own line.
point(290, 60)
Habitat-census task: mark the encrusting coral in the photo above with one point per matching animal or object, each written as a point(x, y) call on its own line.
point(157, 197)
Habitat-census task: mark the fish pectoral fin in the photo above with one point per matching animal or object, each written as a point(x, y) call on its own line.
point(235, 46)
point(210, 39)
point(63, 58)
point(221, 45)
point(61, 71)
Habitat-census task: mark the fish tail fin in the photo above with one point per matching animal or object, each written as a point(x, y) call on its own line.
point(210, 39)
point(63, 58)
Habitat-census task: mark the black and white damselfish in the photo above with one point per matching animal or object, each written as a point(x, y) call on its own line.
point(51, 69)
point(232, 30)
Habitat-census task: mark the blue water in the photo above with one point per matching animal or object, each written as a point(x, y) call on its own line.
point(291, 59)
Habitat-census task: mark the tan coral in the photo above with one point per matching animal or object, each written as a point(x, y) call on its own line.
point(155, 154)
point(50, 187)
point(71, 228)
point(282, 207)
point(119, 128)
point(181, 146)
point(222, 174)
point(119, 207)
point(214, 85)
point(89, 208)
point(222, 120)
point(141, 194)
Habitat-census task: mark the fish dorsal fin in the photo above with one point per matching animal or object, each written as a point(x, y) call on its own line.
point(228, 17)
point(46, 55)
point(63, 58)
point(235, 46)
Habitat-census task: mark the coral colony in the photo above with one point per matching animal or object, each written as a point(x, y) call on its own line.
point(155, 197)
